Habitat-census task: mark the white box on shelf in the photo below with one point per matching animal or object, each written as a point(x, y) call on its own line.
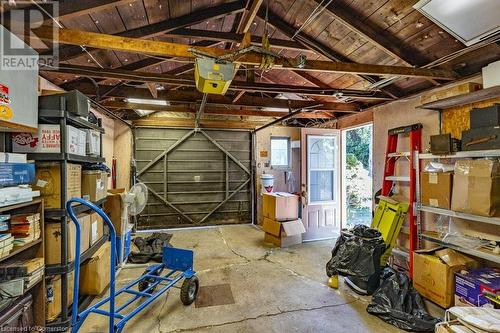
point(77, 141)
point(13, 158)
point(93, 142)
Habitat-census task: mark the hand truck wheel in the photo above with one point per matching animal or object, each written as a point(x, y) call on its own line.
point(189, 290)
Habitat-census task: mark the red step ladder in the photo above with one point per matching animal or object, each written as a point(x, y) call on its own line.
point(390, 179)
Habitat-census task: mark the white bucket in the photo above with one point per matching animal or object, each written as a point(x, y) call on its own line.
point(266, 183)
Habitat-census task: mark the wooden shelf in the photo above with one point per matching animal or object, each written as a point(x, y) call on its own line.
point(20, 205)
point(459, 100)
point(18, 249)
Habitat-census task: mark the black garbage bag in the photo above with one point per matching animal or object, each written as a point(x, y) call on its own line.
point(357, 253)
point(150, 248)
point(398, 303)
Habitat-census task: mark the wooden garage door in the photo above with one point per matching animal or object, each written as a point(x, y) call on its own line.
point(194, 178)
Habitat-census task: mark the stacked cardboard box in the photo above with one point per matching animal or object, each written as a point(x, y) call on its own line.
point(95, 276)
point(94, 185)
point(53, 239)
point(436, 189)
point(433, 273)
point(281, 223)
point(48, 182)
point(476, 187)
point(478, 287)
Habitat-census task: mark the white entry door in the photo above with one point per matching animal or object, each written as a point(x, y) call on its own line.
point(320, 183)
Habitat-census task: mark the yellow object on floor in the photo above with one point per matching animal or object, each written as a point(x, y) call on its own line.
point(389, 217)
point(333, 282)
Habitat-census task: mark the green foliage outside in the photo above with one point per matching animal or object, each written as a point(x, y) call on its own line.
point(358, 175)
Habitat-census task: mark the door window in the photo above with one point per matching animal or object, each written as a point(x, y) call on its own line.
point(321, 168)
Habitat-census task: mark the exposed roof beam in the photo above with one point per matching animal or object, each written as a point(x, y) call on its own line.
point(210, 110)
point(70, 52)
point(142, 64)
point(312, 44)
point(249, 16)
point(204, 123)
point(179, 96)
point(188, 81)
point(165, 49)
point(378, 37)
point(233, 38)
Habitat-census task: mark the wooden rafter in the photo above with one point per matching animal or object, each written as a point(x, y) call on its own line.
point(70, 52)
point(165, 49)
point(179, 96)
point(188, 81)
point(122, 105)
point(249, 16)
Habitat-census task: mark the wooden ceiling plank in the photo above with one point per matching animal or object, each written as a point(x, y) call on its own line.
point(70, 52)
point(314, 45)
point(378, 37)
point(165, 49)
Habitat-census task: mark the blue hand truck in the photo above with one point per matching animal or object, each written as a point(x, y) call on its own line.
point(177, 264)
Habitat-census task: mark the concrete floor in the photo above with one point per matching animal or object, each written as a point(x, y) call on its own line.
point(275, 290)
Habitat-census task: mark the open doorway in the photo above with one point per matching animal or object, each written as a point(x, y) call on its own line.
point(357, 148)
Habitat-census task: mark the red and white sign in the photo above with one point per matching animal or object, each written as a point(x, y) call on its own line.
point(5, 109)
point(47, 140)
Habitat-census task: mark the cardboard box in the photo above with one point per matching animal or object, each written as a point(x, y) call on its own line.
point(113, 207)
point(53, 299)
point(283, 241)
point(283, 234)
point(48, 182)
point(48, 140)
point(476, 187)
point(433, 273)
point(96, 228)
point(13, 174)
point(95, 276)
point(94, 185)
point(436, 189)
point(93, 142)
point(76, 142)
point(473, 286)
point(53, 239)
point(280, 206)
point(13, 158)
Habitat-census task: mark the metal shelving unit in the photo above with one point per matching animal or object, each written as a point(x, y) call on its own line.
point(484, 254)
point(480, 253)
point(63, 117)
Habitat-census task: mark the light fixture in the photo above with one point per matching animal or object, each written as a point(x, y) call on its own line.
point(143, 113)
point(148, 101)
point(468, 21)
